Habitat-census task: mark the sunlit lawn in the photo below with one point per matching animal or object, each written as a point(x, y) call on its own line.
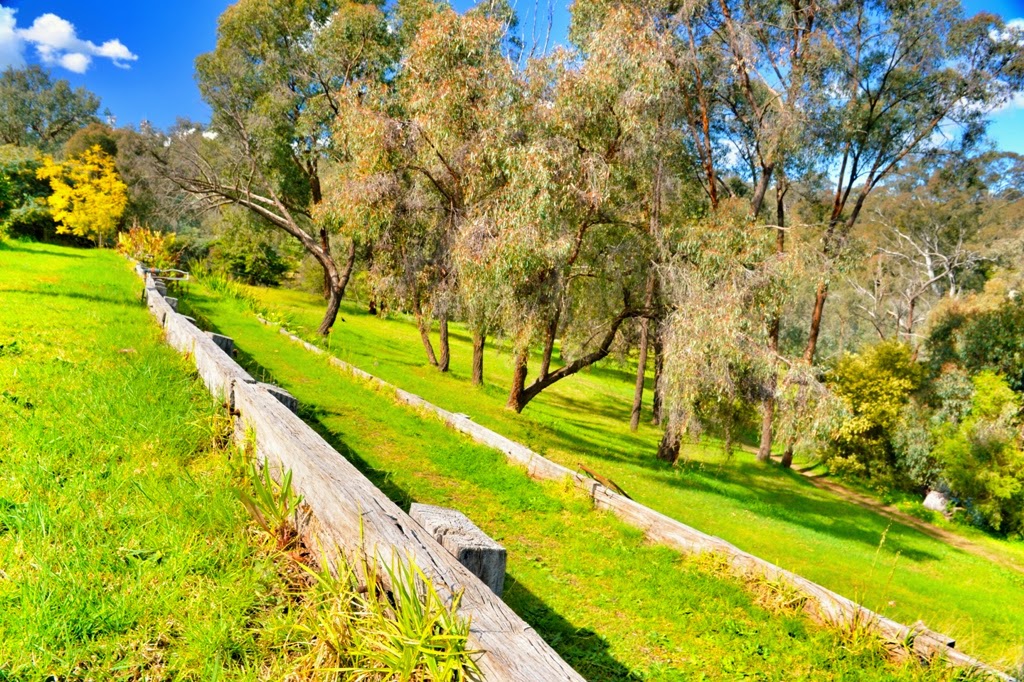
point(772, 513)
point(123, 551)
point(611, 604)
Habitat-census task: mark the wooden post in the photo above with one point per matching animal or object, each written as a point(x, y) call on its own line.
point(465, 541)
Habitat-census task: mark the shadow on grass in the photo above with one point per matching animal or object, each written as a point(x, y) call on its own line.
point(582, 648)
point(15, 246)
point(125, 303)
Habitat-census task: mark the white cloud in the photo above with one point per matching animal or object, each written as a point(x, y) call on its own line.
point(10, 44)
point(75, 61)
point(1015, 102)
point(57, 43)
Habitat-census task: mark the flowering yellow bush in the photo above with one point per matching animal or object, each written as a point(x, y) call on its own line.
point(88, 197)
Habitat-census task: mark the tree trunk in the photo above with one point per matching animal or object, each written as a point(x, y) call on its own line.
point(668, 448)
point(659, 362)
point(641, 363)
point(819, 308)
point(325, 244)
point(424, 331)
point(335, 291)
point(787, 456)
point(336, 283)
point(445, 359)
point(479, 338)
point(539, 384)
point(549, 343)
point(515, 396)
point(764, 452)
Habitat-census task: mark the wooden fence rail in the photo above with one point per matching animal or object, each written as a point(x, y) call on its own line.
point(821, 603)
point(343, 511)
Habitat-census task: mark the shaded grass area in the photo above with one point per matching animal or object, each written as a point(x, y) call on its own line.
point(615, 607)
point(765, 510)
point(123, 552)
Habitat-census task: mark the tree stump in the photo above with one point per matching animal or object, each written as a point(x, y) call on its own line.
point(484, 557)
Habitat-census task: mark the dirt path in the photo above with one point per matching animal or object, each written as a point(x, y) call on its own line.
point(891, 512)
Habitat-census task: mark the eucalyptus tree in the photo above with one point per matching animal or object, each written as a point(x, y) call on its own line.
point(36, 110)
point(581, 214)
point(276, 82)
point(427, 157)
point(903, 78)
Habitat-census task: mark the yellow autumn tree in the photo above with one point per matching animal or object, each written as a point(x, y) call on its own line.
point(88, 195)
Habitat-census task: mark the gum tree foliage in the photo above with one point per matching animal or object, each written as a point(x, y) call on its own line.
point(39, 112)
point(903, 79)
point(583, 212)
point(88, 197)
point(429, 157)
point(275, 82)
point(982, 457)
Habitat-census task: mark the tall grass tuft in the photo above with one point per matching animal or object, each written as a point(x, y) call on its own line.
point(362, 630)
point(360, 625)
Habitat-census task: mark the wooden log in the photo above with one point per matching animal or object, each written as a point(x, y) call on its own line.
point(281, 395)
point(226, 343)
point(822, 603)
point(484, 557)
point(347, 513)
point(345, 507)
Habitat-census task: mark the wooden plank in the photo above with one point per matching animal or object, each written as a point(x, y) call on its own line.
point(344, 511)
point(348, 507)
point(473, 548)
point(822, 603)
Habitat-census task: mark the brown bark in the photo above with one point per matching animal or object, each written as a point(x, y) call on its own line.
point(525, 395)
point(445, 358)
point(764, 452)
point(668, 448)
point(549, 343)
point(421, 324)
point(819, 308)
point(325, 245)
point(787, 456)
point(641, 364)
point(515, 396)
point(659, 364)
point(479, 339)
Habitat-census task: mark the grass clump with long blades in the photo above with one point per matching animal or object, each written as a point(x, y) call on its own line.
point(358, 624)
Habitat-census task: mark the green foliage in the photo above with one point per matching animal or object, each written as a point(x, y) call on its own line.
point(982, 337)
point(248, 253)
point(26, 213)
point(399, 629)
point(982, 455)
point(875, 385)
point(272, 504)
point(37, 111)
point(92, 135)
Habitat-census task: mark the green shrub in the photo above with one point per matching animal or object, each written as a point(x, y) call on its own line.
point(980, 339)
point(247, 250)
point(981, 456)
point(875, 386)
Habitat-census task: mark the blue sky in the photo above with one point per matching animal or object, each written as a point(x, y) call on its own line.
point(138, 55)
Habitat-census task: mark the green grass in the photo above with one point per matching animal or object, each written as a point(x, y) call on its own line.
point(614, 606)
point(772, 513)
point(123, 552)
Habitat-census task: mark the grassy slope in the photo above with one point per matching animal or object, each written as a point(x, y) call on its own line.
point(612, 605)
point(123, 553)
point(769, 512)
